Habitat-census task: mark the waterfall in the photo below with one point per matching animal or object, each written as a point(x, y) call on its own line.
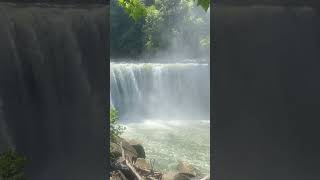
point(52, 87)
point(5, 138)
point(267, 90)
point(160, 91)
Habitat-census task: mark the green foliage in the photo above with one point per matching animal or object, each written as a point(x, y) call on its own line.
point(112, 157)
point(127, 37)
point(152, 28)
point(12, 166)
point(135, 8)
point(173, 24)
point(115, 129)
point(146, 27)
point(205, 4)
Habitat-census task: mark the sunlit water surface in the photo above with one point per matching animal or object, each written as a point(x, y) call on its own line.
point(169, 142)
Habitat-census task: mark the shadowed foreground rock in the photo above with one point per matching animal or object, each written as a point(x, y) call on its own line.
point(132, 165)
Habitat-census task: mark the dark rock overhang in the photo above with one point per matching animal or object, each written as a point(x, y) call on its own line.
point(7, 4)
point(298, 3)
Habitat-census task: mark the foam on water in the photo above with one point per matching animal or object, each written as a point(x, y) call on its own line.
point(166, 107)
point(172, 141)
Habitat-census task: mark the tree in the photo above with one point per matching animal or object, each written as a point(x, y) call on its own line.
point(126, 36)
point(149, 27)
point(12, 166)
point(205, 4)
point(137, 9)
point(176, 26)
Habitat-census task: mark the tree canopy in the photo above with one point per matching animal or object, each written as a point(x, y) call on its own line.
point(137, 9)
point(153, 26)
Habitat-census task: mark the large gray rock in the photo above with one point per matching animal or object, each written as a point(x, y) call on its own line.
point(129, 151)
point(182, 176)
point(142, 164)
point(169, 175)
point(186, 168)
point(115, 150)
point(138, 147)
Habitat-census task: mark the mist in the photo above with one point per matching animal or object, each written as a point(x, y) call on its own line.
point(160, 82)
point(171, 82)
point(186, 44)
point(160, 91)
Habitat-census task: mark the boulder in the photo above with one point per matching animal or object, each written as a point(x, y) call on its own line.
point(115, 150)
point(139, 148)
point(169, 175)
point(182, 176)
point(187, 169)
point(129, 151)
point(142, 164)
point(116, 177)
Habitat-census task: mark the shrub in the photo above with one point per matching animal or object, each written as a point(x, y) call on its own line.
point(115, 129)
point(12, 165)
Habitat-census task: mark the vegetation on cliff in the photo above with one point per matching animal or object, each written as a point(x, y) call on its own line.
point(12, 165)
point(115, 129)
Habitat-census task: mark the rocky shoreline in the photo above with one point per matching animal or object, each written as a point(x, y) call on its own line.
point(128, 162)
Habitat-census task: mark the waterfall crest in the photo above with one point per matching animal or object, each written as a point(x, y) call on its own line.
point(161, 91)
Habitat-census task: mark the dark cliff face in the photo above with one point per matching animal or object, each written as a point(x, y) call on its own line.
point(60, 1)
point(300, 3)
point(266, 92)
point(53, 88)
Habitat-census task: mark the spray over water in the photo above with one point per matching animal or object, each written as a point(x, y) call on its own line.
point(163, 95)
point(166, 106)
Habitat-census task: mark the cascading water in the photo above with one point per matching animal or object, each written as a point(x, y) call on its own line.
point(267, 87)
point(5, 139)
point(152, 90)
point(52, 87)
point(167, 107)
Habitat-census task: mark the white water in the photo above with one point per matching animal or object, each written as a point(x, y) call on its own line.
point(166, 107)
point(153, 90)
point(169, 142)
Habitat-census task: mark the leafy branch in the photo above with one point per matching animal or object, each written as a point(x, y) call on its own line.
point(205, 4)
point(136, 9)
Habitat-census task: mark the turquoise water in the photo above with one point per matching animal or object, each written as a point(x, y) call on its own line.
point(165, 106)
point(172, 141)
